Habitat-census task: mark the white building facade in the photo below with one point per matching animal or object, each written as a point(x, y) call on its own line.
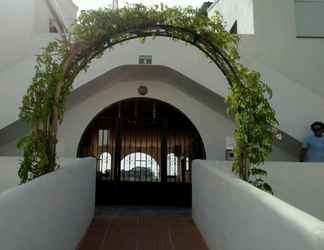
point(270, 43)
point(283, 40)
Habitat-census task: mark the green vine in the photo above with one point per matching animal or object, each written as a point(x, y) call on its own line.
point(98, 30)
point(255, 120)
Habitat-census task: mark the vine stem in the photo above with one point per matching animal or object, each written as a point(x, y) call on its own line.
point(55, 115)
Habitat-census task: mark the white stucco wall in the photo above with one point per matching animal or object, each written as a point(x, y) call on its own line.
point(235, 10)
point(176, 55)
point(299, 184)
point(16, 30)
point(9, 172)
point(205, 109)
point(274, 42)
point(212, 126)
point(66, 10)
point(25, 29)
point(10, 149)
point(41, 17)
point(234, 215)
point(293, 68)
point(9, 167)
point(206, 112)
point(52, 212)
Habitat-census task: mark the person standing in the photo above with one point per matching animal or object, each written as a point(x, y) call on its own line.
point(313, 145)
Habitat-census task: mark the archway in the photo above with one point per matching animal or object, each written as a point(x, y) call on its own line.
point(149, 146)
point(96, 31)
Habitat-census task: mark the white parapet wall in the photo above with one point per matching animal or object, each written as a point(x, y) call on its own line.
point(299, 184)
point(9, 167)
point(52, 212)
point(234, 215)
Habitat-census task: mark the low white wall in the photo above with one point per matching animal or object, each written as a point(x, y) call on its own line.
point(234, 215)
point(51, 212)
point(299, 184)
point(9, 167)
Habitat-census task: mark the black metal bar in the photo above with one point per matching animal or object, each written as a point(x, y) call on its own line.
point(141, 154)
point(169, 146)
point(151, 153)
point(113, 150)
point(109, 154)
point(184, 154)
point(177, 152)
point(97, 149)
point(183, 165)
point(105, 148)
point(157, 151)
point(123, 156)
point(133, 154)
point(173, 138)
point(102, 148)
point(164, 148)
point(127, 154)
point(146, 153)
point(118, 145)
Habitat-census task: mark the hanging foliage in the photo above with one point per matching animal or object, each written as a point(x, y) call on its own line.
point(98, 30)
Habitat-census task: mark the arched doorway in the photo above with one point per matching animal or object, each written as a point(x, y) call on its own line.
point(144, 150)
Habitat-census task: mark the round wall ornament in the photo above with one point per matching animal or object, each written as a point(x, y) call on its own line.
point(142, 90)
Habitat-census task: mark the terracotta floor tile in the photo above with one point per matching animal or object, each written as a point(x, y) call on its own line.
point(94, 237)
point(186, 236)
point(142, 231)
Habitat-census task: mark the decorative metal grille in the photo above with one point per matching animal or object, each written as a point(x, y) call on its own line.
point(142, 140)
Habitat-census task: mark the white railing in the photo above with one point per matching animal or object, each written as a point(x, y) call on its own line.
point(51, 212)
point(233, 215)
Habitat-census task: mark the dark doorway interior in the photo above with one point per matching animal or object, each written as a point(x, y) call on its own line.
point(144, 150)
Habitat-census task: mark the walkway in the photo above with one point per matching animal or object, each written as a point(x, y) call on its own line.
point(142, 229)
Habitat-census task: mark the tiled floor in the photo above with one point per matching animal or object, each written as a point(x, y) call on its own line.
point(142, 228)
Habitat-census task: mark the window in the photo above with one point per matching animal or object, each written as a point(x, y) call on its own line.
point(145, 59)
point(187, 164)
point(309, 18)
point(103, 137)
point(105, 163)
point(139, 167)
point(173, 164)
